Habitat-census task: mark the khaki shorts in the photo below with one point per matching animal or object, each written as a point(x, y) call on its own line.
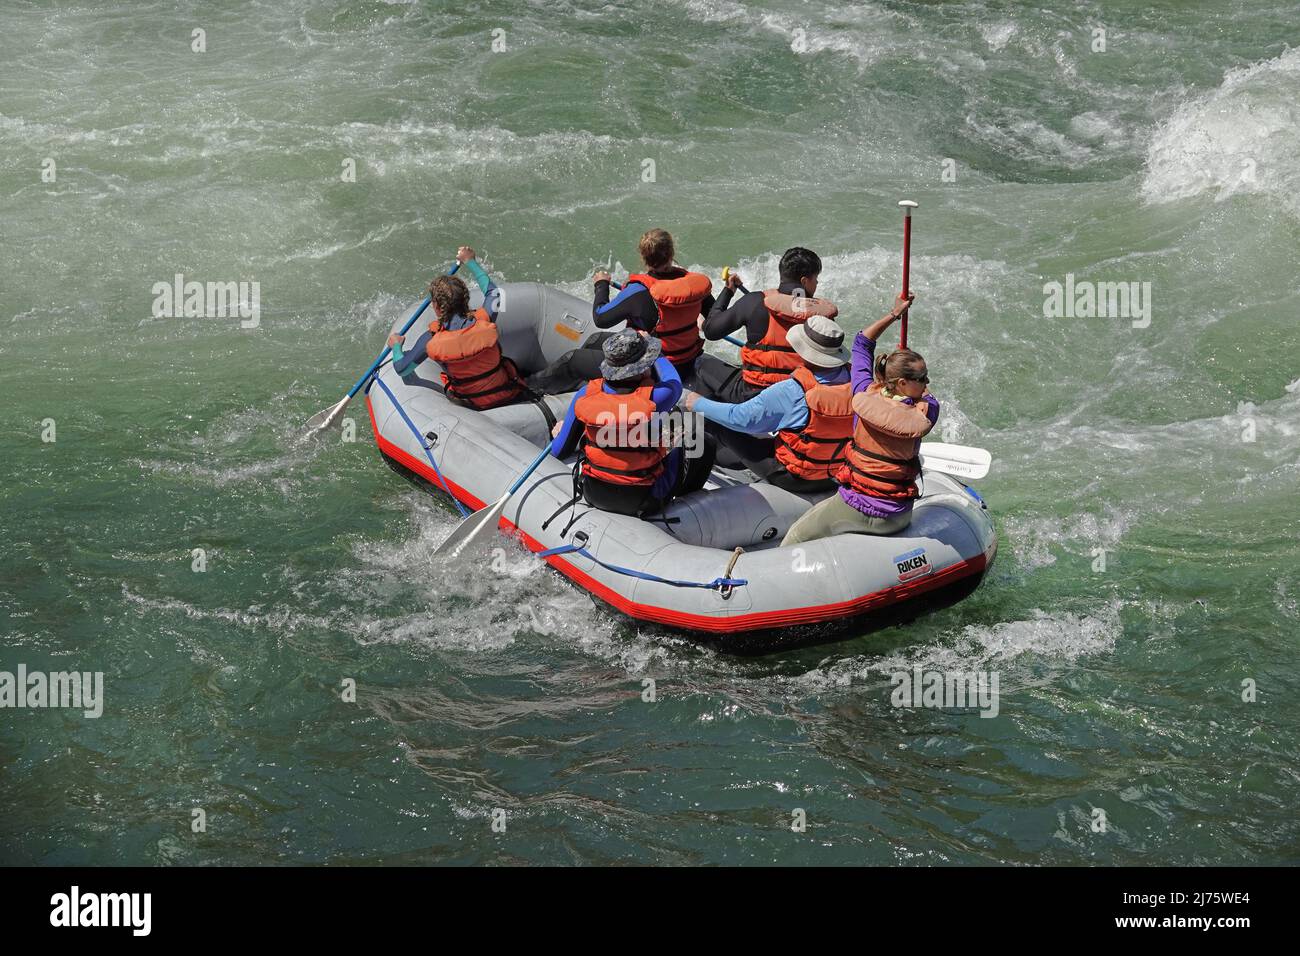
point(834, 515)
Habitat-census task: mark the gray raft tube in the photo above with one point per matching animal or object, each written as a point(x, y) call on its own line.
point(711, 565)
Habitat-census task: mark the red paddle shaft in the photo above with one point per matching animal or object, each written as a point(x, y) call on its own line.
point(908, 206)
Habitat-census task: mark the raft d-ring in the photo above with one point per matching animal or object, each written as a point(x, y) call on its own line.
point(726, 589)
point(581, 538)
point(432, 438)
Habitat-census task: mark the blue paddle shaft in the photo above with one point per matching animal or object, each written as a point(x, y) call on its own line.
point(406, 328)
point(531, 468)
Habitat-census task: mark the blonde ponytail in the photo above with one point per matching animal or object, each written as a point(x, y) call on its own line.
point(900, 363)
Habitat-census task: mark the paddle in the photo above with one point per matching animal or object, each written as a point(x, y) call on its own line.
point(726, 272)
point(327, 417)
point(488, 517)
point(908, 206)
point(959, 460)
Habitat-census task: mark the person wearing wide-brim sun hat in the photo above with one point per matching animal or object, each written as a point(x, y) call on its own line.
point(628, 464)
point(810, 414)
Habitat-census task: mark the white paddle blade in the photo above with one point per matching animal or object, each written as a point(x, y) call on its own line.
point(960, 460)
point(324, 419)
point(471, 528)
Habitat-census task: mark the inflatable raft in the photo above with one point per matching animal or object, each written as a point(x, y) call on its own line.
point(712, 564)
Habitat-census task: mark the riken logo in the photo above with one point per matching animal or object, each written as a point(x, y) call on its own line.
point(912, 565)
point(103, 909)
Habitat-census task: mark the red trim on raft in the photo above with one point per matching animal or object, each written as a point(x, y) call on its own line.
point(682, 619)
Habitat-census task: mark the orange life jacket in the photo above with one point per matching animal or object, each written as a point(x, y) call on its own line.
point(816, 450)
point(772, 359)
point(878, 463)
point(679, 301)
point(610, 419)
point(473, 369)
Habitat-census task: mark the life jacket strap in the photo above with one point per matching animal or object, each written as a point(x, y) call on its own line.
point(813, 459)
point(467, 379)
point(904, 462)
point(901, 482)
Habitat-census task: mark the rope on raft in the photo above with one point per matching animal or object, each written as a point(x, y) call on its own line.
point(420, 439)
point(717, 584)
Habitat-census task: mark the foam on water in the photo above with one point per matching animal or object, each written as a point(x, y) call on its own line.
point(863, 33)
point(501, 592)
point(997, 35)
point(1056, 637)
point(1033, 539)
point(1242, 138)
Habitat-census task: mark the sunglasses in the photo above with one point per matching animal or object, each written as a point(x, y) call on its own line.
point(924, 379)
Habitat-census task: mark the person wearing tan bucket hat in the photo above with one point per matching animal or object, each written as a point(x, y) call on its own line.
point(793, 433)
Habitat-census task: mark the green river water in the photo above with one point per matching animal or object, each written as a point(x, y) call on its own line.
point(1171, 157)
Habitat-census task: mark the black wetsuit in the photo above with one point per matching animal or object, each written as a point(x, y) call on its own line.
point(633, 305)
point(721, 380)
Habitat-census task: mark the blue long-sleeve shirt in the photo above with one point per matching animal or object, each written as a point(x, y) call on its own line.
point(405, 363)
point(775, 408)
point(667, 390)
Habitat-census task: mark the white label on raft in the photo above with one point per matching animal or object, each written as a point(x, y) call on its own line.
point(912, 565)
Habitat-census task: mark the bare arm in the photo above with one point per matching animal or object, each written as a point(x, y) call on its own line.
point(877, 329)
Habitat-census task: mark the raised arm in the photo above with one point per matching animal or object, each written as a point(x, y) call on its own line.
point(864, 344)
point(491, 294)
point(877, 328)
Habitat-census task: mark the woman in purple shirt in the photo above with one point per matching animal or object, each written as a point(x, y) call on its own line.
point(893, 410)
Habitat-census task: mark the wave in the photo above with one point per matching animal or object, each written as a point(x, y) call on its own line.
point(1058, 636)
point(1241, 139)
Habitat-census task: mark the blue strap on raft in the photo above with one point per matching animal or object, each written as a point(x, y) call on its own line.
point(716, 584)
point(420, 438)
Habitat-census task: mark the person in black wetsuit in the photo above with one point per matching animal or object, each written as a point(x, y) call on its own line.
point(766, 316)
point(665, 294)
